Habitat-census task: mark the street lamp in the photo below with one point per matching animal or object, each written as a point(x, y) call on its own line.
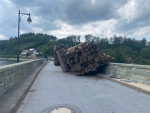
point(19, 20)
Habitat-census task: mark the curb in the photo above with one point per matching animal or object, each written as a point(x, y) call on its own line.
point(16, 105)
point(128, 85)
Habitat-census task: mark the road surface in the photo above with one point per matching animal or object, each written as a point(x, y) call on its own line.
point(89, 94)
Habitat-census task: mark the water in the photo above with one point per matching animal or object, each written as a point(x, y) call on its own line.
point(6, 62)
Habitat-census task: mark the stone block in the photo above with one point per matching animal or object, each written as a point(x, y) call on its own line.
point(2, 84)
point(2, 89)
point(1, 74)
point(5, 73)
point(1, 79)
point(10, 74)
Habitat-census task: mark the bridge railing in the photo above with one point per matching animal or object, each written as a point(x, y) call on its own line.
point(132, 72)
point(10, 74)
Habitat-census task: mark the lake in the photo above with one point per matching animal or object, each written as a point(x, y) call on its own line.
point(6, 62)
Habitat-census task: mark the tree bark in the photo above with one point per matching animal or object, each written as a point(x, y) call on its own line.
point(77, 67)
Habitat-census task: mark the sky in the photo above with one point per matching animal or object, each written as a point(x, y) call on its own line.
point(61, 18)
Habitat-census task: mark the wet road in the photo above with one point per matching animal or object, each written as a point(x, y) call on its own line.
point(89, 94)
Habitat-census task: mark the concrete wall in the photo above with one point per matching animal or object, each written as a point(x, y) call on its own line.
point(135, 73)
point(10, 74)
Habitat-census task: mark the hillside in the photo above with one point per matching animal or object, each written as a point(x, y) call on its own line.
point(26, 41)
point(124, 50)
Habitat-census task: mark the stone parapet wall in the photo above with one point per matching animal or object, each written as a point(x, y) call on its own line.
point(132, 72)
point(10, 74)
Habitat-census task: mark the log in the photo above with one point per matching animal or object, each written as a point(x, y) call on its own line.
point(81, 61)
point(85, 64)
point(90, 58)
point(82, 68)
point(68, 62)
point(75, 55)
point(89, 45)
point(77, 50)
point(100, 54)
point(96, 65)
point(82, 72)
point(86, 49)
point(84, 54)
point(92, 50)
point(90, 66)
point(77, 73)
point(85, 59)
point(80, 49)
point(96, 59)
point(98, 49)
point(80, 57)
point(94, 54)
point(86, 70)
point(81, 44)
point(75, 59)
point(71, 61)
point(77, 67)
point(69, 54)
point(89, 53)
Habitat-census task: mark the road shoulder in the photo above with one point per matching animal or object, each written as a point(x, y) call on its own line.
point(136, 86)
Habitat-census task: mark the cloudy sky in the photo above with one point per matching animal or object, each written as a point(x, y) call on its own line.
point(103, 18)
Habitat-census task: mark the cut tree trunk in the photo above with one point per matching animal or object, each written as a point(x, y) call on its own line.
point(86, 57)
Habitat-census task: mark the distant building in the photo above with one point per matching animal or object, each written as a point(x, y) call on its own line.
point(31, 51)
point(24, 52)
point(148, 43)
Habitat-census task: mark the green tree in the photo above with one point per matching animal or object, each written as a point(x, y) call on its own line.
point(88, 37)
point(145, 53)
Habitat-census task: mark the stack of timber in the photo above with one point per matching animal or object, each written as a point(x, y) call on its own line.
point(56, 48)
point(85, 57)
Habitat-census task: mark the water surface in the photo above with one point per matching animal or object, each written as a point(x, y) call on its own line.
point(6, 62)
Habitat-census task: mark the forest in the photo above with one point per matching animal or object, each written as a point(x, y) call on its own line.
point(123, 49)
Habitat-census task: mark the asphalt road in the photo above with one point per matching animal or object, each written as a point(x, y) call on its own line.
point(89, 94)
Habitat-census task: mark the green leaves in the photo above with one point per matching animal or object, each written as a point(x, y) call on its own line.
point(125, 50)
point(145, 53)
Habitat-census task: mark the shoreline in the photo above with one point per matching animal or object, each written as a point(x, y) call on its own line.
point(13, 59)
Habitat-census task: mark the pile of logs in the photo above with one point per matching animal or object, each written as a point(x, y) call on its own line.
point(85, 57)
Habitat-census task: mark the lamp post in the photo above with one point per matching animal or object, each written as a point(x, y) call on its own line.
point(19, 20)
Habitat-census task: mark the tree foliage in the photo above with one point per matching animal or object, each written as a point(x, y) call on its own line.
point(124, 50)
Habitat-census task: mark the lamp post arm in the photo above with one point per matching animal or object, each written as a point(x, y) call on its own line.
point(25, 13)
point(22, 14)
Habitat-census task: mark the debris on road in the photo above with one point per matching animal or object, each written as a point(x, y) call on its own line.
point(82, 58)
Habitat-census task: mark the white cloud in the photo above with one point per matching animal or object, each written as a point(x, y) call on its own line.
point(98, 28)
point(93, 2)
point(61, 18)
point(2, 37)
point(142, 31)
point(129, 11)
